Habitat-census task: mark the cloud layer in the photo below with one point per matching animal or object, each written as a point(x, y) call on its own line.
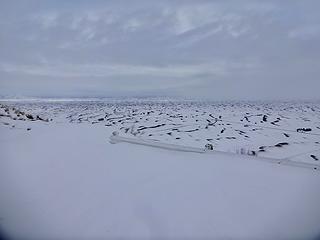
point(222, 50)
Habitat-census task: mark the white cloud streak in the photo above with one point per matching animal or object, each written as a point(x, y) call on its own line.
point(109, 70)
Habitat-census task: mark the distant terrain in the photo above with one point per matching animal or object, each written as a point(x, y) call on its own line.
point(60, 173)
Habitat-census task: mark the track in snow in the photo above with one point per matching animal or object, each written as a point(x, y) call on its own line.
point(139, 141)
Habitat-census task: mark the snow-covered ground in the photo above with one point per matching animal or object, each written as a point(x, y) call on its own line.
point(61, 178)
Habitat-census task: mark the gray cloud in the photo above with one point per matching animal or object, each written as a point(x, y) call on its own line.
point(212, 49)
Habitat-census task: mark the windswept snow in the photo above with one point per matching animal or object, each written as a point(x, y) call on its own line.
point(61, 178)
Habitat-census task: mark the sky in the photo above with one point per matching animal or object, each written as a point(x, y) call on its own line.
point(215, 49)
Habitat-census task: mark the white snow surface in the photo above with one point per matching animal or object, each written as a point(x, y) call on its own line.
point(62, 179)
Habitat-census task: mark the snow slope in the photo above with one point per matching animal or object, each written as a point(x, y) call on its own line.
point(61, 180)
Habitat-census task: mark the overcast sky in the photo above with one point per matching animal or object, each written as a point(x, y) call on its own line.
point(248, 49)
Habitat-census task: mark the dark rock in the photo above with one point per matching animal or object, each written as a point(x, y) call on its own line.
point(264, 118)
point(39, 118)
point(304, 130)
point(209, 146)
point(314, 157)
point(281, 144)
point(29, 116)
point(252, 153)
